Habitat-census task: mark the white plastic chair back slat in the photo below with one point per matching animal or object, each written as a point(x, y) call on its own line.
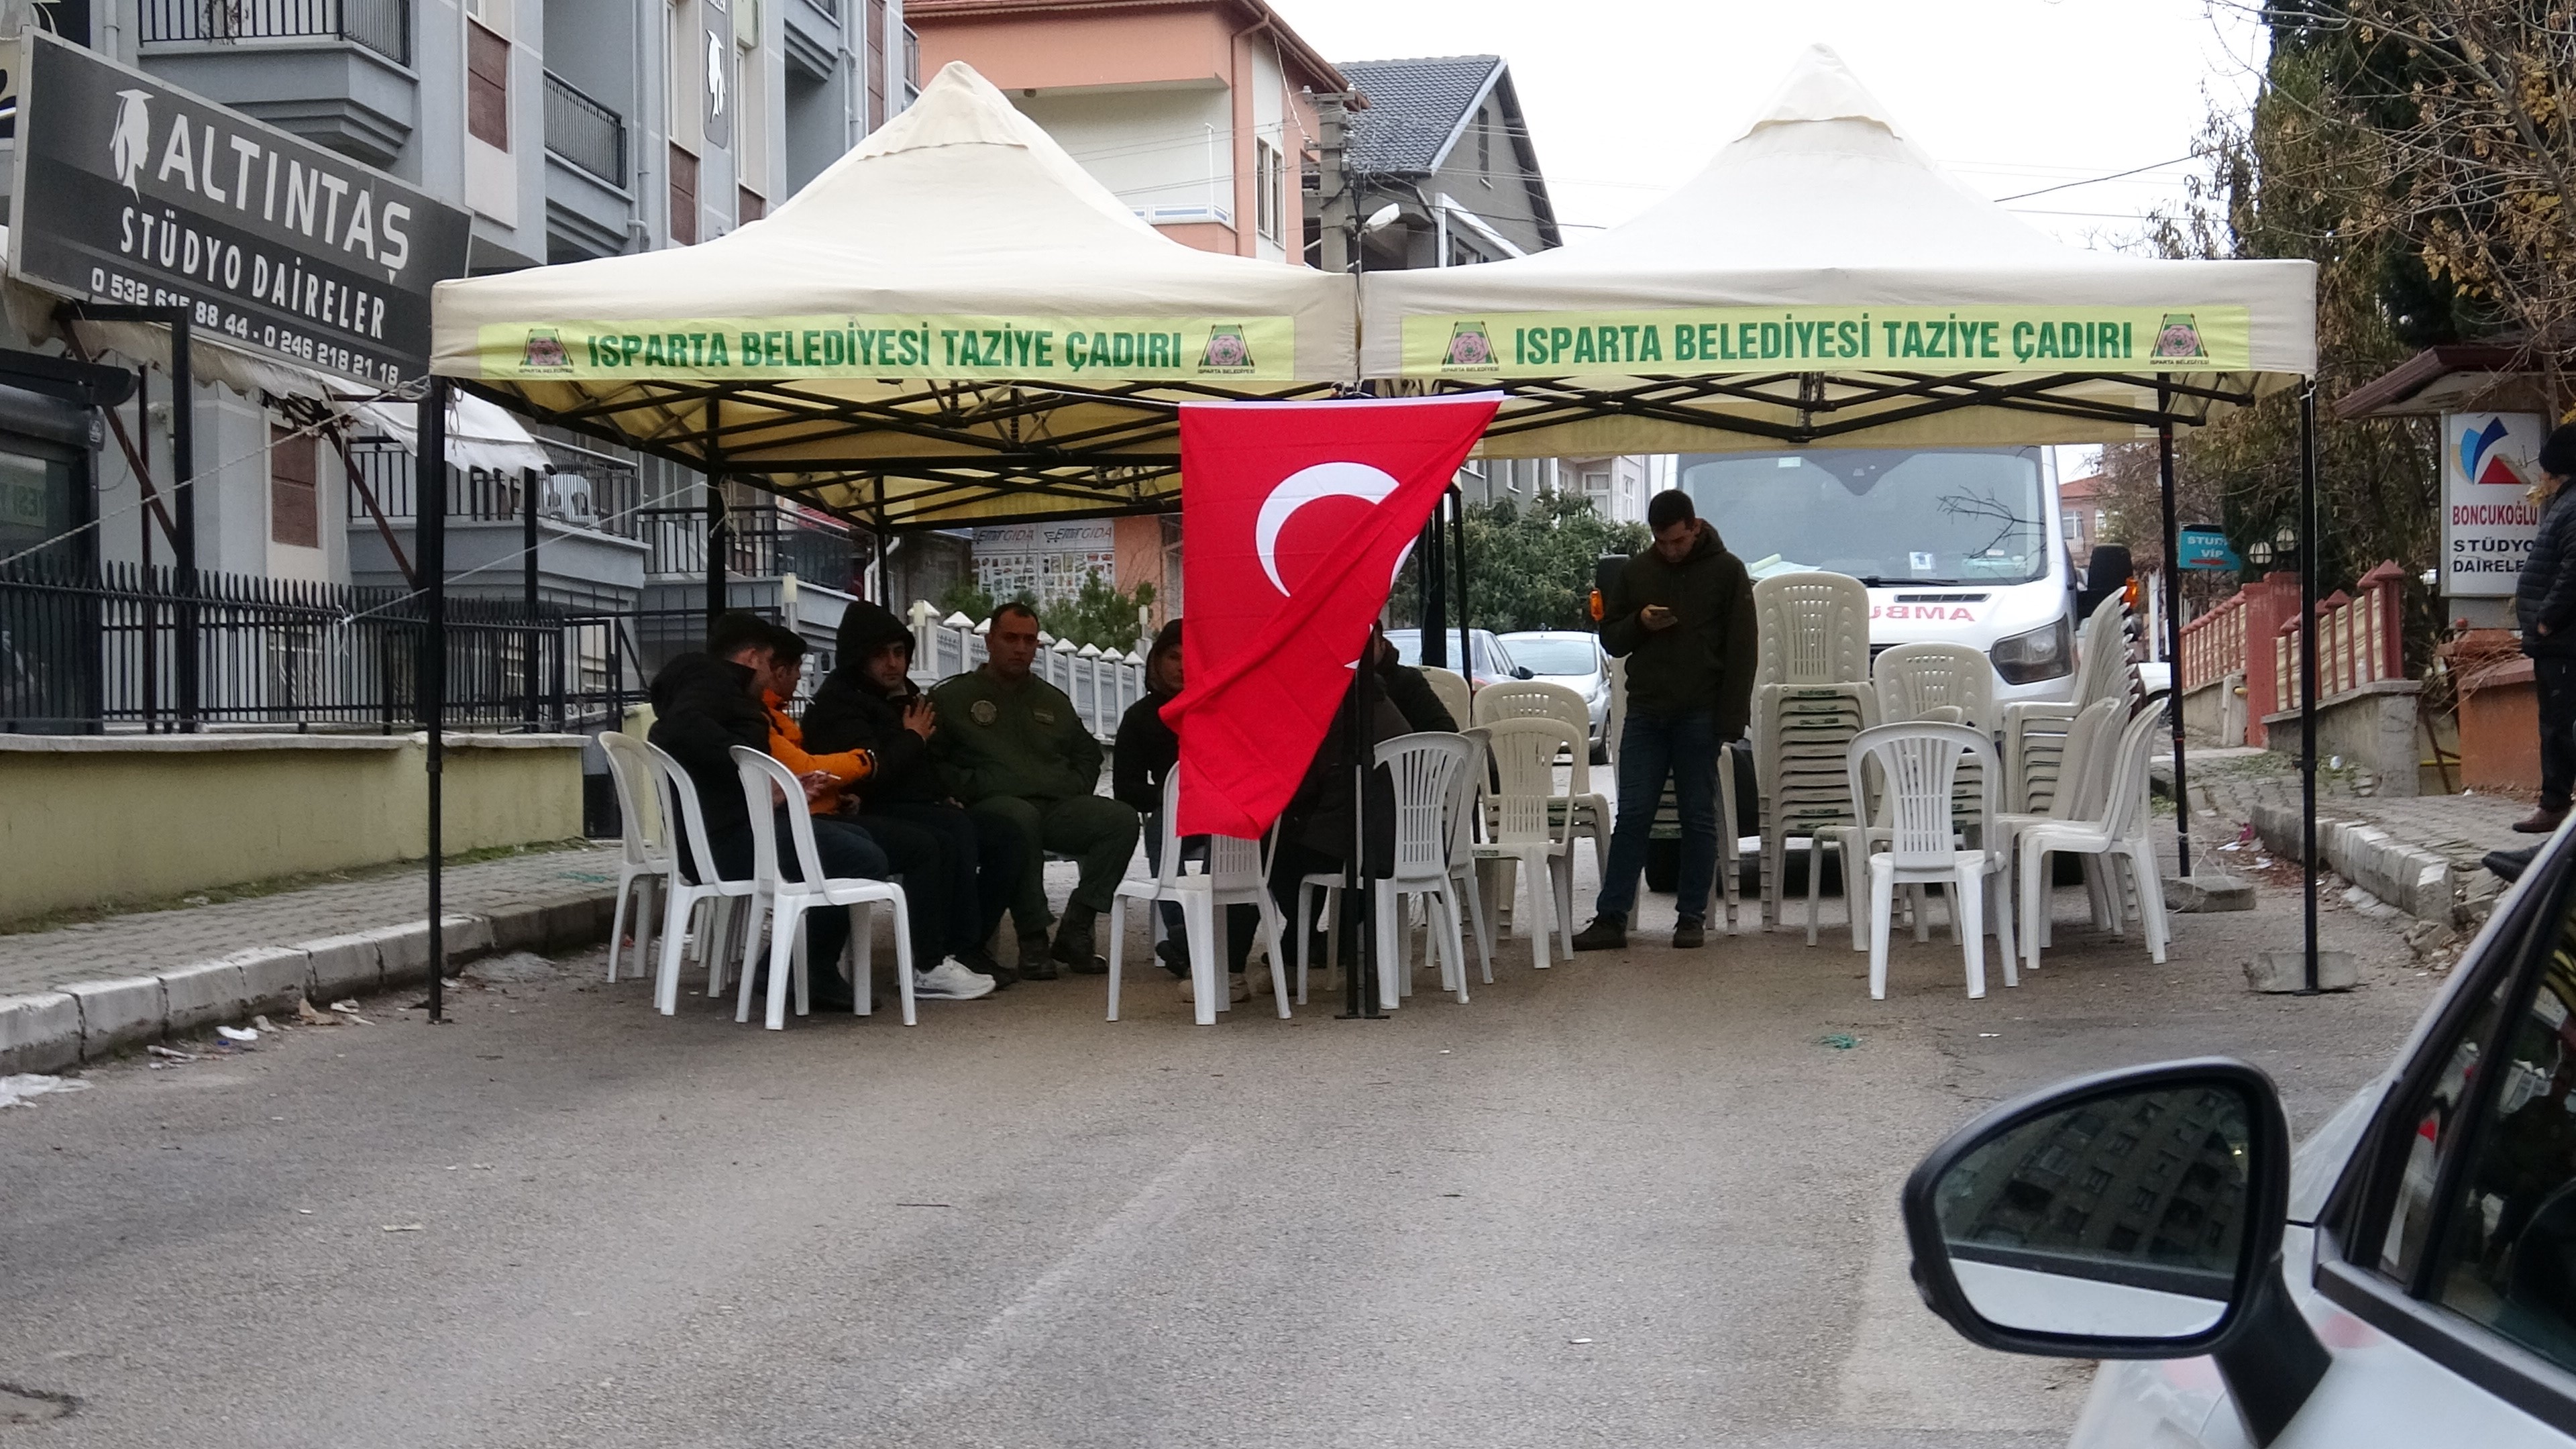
point(1813, 628)
point(643, 828)
point(1427, 768)
point(1537, 699)
point(2095, 725)
point(2125, 811)
point(759, 773)
point(1451, 686)
point(1233, 864)
point(676, 785)
point(1524, 753)
point(2102, 653)
point(1919, 770)
point(1468, 788)
point(1915, 679)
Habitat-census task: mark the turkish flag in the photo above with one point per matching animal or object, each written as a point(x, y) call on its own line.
point(1295, 518)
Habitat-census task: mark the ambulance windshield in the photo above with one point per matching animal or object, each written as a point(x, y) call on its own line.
point(1888, 517)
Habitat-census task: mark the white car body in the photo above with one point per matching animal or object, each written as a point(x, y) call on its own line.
point(2378, 1392)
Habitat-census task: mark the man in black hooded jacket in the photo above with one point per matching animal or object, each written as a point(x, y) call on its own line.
point(869, 702)
point(704, 704)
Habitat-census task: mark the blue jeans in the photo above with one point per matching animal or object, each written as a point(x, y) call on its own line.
point(1684, 747)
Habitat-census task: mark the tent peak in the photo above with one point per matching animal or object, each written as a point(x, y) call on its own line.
point(1820, 87)
point(958, 108)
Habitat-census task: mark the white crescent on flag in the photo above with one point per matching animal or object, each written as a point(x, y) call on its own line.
point(1323, 480)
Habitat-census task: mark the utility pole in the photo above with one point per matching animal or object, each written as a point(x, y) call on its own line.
point(1335, 197)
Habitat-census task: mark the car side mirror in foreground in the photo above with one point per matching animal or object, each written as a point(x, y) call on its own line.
point(2133, 1214)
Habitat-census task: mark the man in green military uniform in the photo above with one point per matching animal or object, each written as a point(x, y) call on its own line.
point(1010, 745)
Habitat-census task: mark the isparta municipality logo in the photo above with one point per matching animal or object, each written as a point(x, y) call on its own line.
point(129, 147)
point(1226, 352)
point(2179, 337)
point(544, 352)
point(1470, 350)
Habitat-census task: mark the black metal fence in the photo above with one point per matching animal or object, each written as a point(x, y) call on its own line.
point(86, 649)
point(585, 133)
point(383, 26)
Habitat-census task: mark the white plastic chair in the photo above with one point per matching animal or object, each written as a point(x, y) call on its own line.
point(1913, 680)
point(2089, 753)
point(1919, 765)
point(715, 892)
point(1235, 876)
point(1527, 821)
point(787, 901)
point(1430, 774)
point(2120, 833)
point(645, 863)
point(1813, 628)
point(2035, 730)
point(1456, 695)
point(1538, 699)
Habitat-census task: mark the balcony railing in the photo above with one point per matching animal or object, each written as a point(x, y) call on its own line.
point(584, 133)
point(383, 26)
point(581, 490)
point(761, 545)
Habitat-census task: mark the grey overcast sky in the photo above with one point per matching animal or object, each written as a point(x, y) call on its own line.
point(1626, 98)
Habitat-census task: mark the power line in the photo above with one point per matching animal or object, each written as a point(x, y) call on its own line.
point(2090, 180)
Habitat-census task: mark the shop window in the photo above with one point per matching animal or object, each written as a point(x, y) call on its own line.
point(294, 511)
point(487, 86)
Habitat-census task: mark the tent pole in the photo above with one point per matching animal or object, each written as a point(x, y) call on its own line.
point(2308, 540)
point(1458, 525)
point(429, 514)
point(1429, 556)
point(2173, 628)
point(719, 538)
point(530, 480)
point(183, 497)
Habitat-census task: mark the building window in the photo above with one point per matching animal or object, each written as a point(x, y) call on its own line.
point(748, 207)
point(1484, 151)
point(1270, 195)
point(294, 514)
point(487, 86)
point(1596, 491)
point(875, 64)
point(684, 198)
point(911, 65)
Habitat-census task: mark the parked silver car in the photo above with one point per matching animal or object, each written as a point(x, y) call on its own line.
point(1572, 658)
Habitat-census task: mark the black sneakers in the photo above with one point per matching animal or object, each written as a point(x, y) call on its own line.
point(981, 962)
point(1606, 933)
point(1689, 934)
point(1073, 944)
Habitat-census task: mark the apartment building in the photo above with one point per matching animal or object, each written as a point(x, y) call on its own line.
point(560, 130)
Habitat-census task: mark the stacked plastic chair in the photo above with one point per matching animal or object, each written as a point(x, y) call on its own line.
point(2034, 732)
point(1811, 695)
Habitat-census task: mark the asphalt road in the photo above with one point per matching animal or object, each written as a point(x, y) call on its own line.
point(1630, 1202)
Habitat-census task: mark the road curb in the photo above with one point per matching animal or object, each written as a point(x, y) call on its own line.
point(86, 1021)
point(2412, 879)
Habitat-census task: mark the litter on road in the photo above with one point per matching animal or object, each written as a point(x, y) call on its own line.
point(22, 1090)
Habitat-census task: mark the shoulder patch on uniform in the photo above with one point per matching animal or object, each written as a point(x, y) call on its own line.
point(984, 711)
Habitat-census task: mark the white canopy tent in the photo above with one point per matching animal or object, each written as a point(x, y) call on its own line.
point(955, 323)
point(1823, 280)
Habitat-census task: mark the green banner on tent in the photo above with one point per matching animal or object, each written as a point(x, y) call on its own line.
point(1701, 341)
point(958, 348)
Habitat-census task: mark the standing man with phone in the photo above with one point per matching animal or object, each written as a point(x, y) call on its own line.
point(1681, 614)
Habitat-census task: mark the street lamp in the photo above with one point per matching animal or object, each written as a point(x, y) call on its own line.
point(2285, 540)
point(2259, 553)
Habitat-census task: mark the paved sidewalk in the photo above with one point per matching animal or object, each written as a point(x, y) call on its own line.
point(2418, 853)
point(81, 991)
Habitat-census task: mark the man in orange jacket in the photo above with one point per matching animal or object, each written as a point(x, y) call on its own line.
point(911, 852)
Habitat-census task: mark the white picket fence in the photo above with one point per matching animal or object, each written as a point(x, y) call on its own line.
point(1100, 683)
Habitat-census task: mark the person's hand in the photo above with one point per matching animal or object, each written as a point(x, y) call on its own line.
point(2544, 630)
point(816, 782)
point(1657, 618)
point(776, 795)
point(919, 717)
